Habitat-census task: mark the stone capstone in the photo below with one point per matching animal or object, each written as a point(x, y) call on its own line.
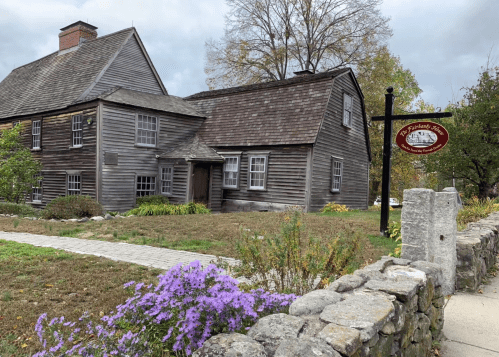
point(305, 347)
point(346, 283)
point(313, 302)
point(271, 330)
point(404, 290)
point(313, 325)
point(430, 269)
point(343, 339)
point(230, 345)
point(366, 313)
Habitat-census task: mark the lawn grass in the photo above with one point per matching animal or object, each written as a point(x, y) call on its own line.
point(35, 280)
point(209, 234)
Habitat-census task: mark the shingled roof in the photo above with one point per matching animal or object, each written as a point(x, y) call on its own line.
point(275, 113)
point(193, 150)
point(56, 81)
point(166, 103)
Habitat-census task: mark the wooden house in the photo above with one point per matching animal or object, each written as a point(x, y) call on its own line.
point(99, 118)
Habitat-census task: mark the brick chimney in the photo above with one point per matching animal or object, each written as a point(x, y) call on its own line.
point(76, 33)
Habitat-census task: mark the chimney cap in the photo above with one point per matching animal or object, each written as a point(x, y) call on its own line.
point(79, 23)
point(305, 72)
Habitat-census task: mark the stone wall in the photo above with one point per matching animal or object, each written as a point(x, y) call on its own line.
point(477, 249)
point(393, 307)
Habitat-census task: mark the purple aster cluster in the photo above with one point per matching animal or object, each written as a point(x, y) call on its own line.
point(188, 306)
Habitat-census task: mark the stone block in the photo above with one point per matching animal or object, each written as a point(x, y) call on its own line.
point(383, 348)
point(425, 295)
point(313, 325)
point(366, 313)
point(346, 283)
point(343, 339)
point(305, 347)
point(404, 290)
point(430, 269)
point(271, 330)
point(234, 344)
point(314, 302)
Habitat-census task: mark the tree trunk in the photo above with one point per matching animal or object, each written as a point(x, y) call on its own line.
point(373, 193)
point(484, 190)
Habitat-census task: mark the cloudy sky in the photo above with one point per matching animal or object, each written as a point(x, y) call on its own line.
point(443, 42)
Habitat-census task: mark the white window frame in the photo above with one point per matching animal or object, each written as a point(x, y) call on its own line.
point(77, 131)
point(74, 184)
point(336, 174)
point(252, 172)
point(142, 181)
point(164, 179)
point(142, 132)
point(232, 170)
point(37, 192)
point(36, 134)
point(347, 110)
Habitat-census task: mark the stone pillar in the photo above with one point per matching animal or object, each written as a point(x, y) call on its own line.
point(417, 223)
point(458, 198)
point(442, 249)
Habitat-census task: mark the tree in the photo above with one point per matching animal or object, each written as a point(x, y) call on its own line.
point(374, 74)
point(18, 169)
point(265, 40)
point(472, 153)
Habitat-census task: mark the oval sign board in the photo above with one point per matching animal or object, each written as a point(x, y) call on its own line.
point(422, 138)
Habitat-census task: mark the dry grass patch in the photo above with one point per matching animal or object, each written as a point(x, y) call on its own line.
point(209, 234)
point(36, 280)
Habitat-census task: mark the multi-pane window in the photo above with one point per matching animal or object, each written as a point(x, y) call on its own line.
point(147, 129)
point(36, 132)
point(74, 185)
point(231, 171)
point(337, 172)
point(166, 180)
point(347, 110)
point(37, 192)
point(77, 130)
point(146, 185)
point(257, 172)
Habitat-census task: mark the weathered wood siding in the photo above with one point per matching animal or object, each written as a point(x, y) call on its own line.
point(179, 184)
point(118, 136)
point(129, 69)
point(57, 154)
point(216, 191)
point(286, 175)
point(337, 140)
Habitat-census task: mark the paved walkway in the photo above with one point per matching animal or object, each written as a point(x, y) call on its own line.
point(472, 323)
point(161, 258)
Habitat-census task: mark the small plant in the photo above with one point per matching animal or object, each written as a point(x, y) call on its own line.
point(289, 263)
point(113, 213)
point(7, 296)
point(74, 206)
point(152, 200)
point(474, 210)
point(334, 207)
point(395, 233)
point(16, 223)
point(378, 208)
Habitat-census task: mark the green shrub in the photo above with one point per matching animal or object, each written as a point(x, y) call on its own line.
point(152, 200)
point(147, 209)
point(288, 263)
point(76, 206)
point(474, 210)
point(334, 207)
point(19, 209)
point(395, 233)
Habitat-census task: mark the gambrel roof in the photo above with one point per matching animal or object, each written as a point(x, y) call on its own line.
point(63, 77)
point(275, 113)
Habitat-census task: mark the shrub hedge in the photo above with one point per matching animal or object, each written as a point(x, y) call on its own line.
point(19, 209)
point(76, 206)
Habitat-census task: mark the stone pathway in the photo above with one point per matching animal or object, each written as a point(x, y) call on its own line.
point(161, 258)
point(472, 323)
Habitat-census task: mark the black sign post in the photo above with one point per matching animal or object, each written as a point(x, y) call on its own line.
point(387, 151)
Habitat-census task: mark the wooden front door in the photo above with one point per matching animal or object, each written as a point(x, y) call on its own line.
point(201, 183)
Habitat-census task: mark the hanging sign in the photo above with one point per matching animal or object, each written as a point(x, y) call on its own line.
point(422, 138)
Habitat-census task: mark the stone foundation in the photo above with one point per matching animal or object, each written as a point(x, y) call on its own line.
point(393, 307)
point(477, 249)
